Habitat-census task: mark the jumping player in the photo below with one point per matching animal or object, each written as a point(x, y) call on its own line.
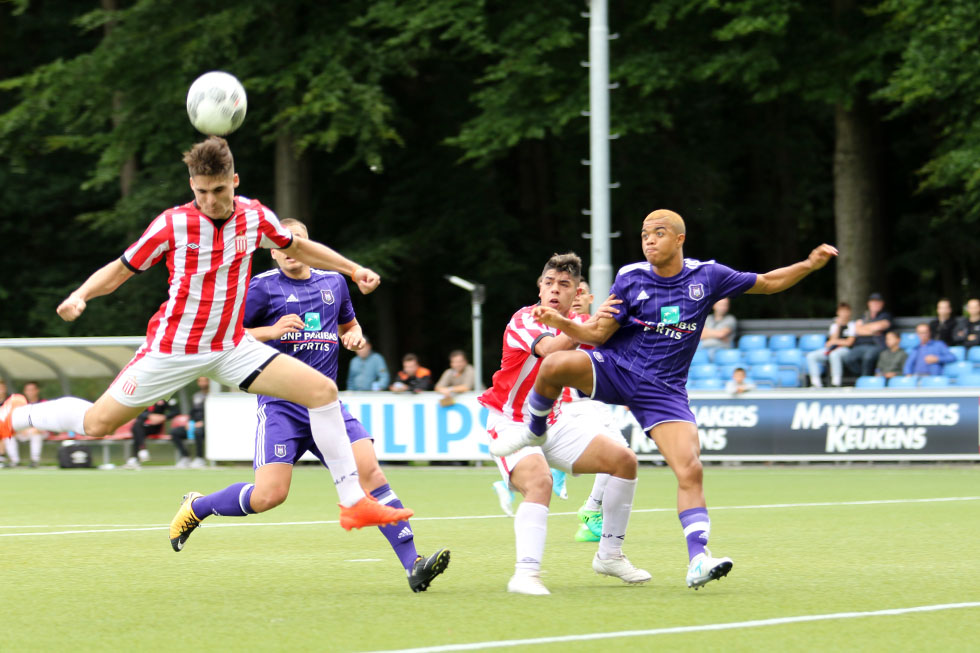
point(276, 301)
point(578, 445)
point(643, 356)
point(208, 245)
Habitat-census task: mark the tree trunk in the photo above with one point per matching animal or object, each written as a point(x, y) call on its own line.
point(856, 206)
point(293, 180)
point(130, 168)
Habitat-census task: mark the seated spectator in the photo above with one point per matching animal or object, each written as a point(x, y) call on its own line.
point(368, 370)
point(840, 337)
point(967, 331)
point(929, 356)
point(32, 392)
point(943, 327)
point(412, 377)
point(150, 422)
point(194, 429)
point(738, 384)
point(719, 327)
point(891, 362)
point(458, 378)
point(870, 337)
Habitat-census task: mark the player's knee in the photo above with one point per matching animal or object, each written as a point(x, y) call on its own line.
point(268, 498)
point(323, 393)
point(95, 427)
point(624, 463)
point(690, 472)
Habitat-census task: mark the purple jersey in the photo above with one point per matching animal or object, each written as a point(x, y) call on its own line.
point(322, 302)
point(661, 318)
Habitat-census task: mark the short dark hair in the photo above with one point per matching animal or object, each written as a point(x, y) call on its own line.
point(568, 262)
point(410, 357)
point(844, 305)
point(211, 158)
point(739, 369)
point(457, 352)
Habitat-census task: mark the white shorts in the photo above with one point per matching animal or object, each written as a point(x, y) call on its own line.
point(598, 412)
point(150, 376)
point(567, 439)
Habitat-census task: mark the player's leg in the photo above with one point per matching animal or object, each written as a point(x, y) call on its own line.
point(558, 370)
point(678, 443)
point(67, 414)
point(531, 476)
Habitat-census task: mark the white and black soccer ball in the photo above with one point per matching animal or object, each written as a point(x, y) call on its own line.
point(216, 103)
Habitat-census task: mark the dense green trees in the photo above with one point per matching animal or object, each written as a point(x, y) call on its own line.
point(436, 137)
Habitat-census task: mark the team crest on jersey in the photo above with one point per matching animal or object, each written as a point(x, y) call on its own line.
point(696, 291)
point(326, 296)
point(311, 321)
point(670, 314)
point(280, 450)
point(129, 386)
point(241, 243)
point(598, 356)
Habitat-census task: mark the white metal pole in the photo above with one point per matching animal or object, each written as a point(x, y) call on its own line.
point(477, 341)
point(600, 270)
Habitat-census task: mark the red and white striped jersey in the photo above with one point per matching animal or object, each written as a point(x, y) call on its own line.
point(209, 273)
point(519, 367)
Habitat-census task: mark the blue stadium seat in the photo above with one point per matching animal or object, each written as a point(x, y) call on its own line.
point(765, 372)
point(902, 382)
point(758, 356)
point(725, 371)
point(782, 341)
point(870, 382)
point(934, 382)
point(959, 351)
point(958, 369)
point(811, 341)
point(752, 341)
point(703, 371)
point(792, 357)
point(701, 357)
point(909, 340)
point(970, 380)
point(789, 379)
point(728, 357)
point(973, 354)
point(708, 384)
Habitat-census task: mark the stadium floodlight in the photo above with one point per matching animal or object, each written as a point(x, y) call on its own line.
point(478, 293)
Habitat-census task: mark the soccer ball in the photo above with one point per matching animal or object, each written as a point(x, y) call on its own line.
point(216, 103)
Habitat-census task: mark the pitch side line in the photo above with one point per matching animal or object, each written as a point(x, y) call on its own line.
point(757, 623)
point(764, 506)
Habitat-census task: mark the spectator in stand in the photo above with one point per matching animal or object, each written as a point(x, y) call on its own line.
point(412, 377)
point(870, 337)
point(891, 362)
point(150, 422)
point(32, 392)
point(194, 429)
point(968, 329)
point(738, 384)
point(840, 337)
point(368, 370)
point(929, 356)
point(943, 327)
point(458, 378)
point(719, 327)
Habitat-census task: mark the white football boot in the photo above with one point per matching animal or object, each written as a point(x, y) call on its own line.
point(527, 582)
point(704, 569)
point(621, 568)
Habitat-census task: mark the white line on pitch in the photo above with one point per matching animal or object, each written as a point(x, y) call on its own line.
point(240, 524)
point(756, 623)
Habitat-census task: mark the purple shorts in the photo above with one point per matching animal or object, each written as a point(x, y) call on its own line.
point(651, 403)
point(283, 433)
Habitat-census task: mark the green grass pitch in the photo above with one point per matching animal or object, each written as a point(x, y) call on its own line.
point(86, 565)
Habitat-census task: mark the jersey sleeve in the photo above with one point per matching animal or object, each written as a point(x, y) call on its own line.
point(155, 242)
point(620, 288)
point(346, 312)
point(272, 235)
point(256, 305)
point(522, 331)
point(727, 282)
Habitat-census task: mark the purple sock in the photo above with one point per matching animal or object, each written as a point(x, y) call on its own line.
point(696, 528)
point(540, 407)
point(400, 535)
point(233, 501)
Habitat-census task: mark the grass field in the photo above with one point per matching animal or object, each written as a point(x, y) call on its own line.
point(86, 565)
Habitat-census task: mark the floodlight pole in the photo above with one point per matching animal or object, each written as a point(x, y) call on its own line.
point(478, 293)
point(600, 270)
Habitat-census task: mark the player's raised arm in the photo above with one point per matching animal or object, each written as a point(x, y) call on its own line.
point(593, 332)
point(780, 279)
point(286, 324)
point(102, 282)
point(320, 256)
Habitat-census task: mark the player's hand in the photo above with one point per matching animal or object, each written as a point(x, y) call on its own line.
point(608, 308)
point(288, 324)
point(352, 341)
point(547, 316)
point(366, 279)
point(71, 308)
point(820, 256)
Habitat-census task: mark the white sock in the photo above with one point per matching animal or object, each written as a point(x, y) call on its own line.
point(594, 502)
point(530, 530)
point(12, 450)
point(330, 436)
point(65, 414)
point(37, 442)
point(616, 516)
